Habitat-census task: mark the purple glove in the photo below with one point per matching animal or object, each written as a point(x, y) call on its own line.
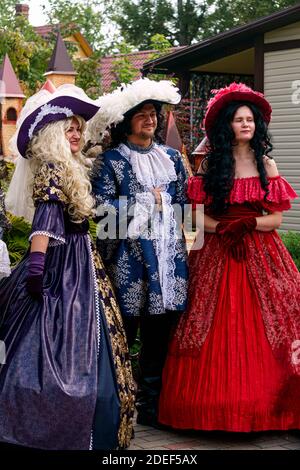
point(34, 282)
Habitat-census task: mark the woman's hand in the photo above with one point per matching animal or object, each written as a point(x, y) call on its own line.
point(233, 233)
point(34, 281)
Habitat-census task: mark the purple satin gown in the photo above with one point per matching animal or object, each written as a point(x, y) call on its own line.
point(60, 387)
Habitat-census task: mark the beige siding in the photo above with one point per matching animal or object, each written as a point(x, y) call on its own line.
point(287, 33)
point(282, 69)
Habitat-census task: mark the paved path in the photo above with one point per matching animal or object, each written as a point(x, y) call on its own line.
point(147, 438)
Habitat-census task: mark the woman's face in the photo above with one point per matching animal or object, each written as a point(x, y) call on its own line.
point(243, 124)
point(73, 135)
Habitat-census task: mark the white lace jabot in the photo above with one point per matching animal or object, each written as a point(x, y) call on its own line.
point(152, 168)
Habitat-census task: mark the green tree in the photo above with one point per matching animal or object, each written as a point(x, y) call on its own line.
point(123, 69)
point(185, 21)
point(88, 76)
point(88, 16)
point(30, 55)
point(162, 46)
point(140, 20)
point(226, 14)
point(28, 52)
point(7, 11)
point(180, 22)
point(189, 20)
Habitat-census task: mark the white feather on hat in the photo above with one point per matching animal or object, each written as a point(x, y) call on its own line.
point(114, 105)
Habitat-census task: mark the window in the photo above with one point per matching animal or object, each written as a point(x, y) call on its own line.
point(11, 114)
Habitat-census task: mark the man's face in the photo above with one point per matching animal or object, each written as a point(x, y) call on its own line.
point(144, 122)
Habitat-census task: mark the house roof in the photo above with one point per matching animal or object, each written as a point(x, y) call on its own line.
point(47, 29)
point(223, 44)
point(137, 59)
point(60, 61)
point(11, 88)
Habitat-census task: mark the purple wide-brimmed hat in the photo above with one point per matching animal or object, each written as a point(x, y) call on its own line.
point(49, 106)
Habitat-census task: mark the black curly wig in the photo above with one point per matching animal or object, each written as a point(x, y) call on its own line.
point(121, 131)
point(219, 163)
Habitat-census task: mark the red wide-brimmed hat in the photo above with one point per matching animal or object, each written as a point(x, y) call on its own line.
point(234, 92)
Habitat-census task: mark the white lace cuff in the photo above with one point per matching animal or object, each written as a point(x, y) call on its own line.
point(54, 240)
point(4, 261)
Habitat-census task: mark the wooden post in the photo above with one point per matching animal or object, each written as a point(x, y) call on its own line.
point(259, 64)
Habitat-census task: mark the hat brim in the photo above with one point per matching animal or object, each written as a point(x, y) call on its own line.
point(142, 102)
point(251, 97)
point(77, 107)
point(145, 101)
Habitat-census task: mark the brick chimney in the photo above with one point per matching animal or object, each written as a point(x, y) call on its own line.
point(22, 9)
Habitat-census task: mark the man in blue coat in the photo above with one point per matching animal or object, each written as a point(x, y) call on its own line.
point(140, 184)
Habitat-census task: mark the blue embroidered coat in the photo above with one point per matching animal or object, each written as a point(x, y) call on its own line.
point(132, 262)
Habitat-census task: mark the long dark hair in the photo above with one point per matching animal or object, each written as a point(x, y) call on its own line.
point(219, 163)
point(120, 132)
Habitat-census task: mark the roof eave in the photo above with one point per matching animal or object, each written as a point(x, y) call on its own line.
point(59, 72)
point(249, 31)
point(11, 95)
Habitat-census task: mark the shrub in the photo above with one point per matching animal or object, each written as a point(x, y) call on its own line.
point(16, 238)
point(292, 242)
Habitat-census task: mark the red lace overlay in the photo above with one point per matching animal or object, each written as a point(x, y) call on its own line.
point(274, 278)
point(248, 190)
point(276, 283)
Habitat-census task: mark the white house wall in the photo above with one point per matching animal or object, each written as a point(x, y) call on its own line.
point(282, 70)
point(287, 33)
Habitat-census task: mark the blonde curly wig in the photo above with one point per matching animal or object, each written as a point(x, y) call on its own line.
point(50, 145)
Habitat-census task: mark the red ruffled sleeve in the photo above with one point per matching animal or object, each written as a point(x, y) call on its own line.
point(278, 198)
point(249, 189)
point(195, 191)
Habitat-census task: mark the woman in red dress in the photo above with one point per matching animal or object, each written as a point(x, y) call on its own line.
point(234, 361)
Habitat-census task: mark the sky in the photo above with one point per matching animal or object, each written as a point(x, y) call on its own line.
point(36, 17)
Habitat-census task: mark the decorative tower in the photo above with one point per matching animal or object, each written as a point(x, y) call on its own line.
point(48, 85)
point(173, 139)
point(22, 10)
point(60, 69)
point(11, 101)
